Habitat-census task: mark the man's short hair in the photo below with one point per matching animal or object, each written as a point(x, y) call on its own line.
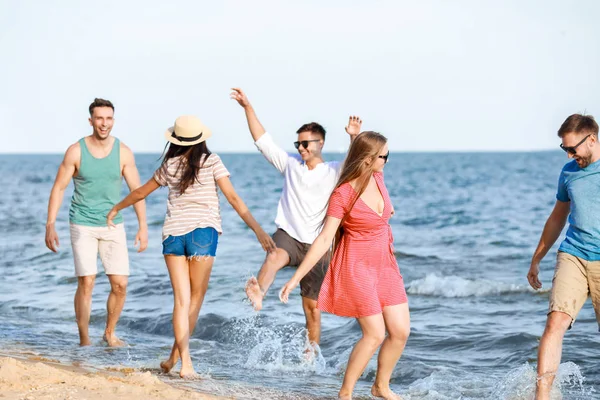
point(100, 103)
point(314, 128)
point(579, 123)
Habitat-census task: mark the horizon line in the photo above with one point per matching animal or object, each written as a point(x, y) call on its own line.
point(3, 153)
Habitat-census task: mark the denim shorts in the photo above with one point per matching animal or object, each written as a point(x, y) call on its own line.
point(199, 242)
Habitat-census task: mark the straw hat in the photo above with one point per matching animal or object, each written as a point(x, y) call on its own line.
point(187, 131)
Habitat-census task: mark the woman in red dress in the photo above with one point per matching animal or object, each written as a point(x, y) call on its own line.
point(363, 280)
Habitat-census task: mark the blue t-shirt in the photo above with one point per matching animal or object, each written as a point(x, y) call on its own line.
point(581, 186)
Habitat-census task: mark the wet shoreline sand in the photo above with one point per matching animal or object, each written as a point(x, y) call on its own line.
point(30, 377)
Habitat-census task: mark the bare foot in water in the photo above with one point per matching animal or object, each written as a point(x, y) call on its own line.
point(311, 352)
point(167, 366)
point(255, 295)
point(187, 370)
point(344, 397)
point(384, 393)
point(85, 342)
point(113, 340)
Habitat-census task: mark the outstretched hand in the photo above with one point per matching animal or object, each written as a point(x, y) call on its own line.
point(354, 125)
point(238, 95)
point(285, 291)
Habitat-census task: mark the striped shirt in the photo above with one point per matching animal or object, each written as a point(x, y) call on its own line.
point(198, 206)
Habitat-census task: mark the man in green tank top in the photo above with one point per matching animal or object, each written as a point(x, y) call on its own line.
point(97, 164)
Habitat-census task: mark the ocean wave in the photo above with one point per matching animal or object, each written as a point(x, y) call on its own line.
point(407, 256)
point(35, 179)
point(456, 286)
point(519, 384)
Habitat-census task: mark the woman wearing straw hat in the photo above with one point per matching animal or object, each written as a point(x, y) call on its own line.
point(192, 224)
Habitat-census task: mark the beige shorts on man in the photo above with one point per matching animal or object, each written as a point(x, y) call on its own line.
point(111, 243)
point(574, 280)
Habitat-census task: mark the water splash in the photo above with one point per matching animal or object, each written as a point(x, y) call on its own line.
point(290, 353)
point(447, 384)
point(519, 384)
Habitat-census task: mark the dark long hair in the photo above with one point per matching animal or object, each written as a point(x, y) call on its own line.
point(192, 160)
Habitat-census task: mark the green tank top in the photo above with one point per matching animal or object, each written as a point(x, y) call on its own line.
point(97, 187)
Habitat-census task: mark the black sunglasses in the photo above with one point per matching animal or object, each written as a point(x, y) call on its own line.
point(573, 149)
point(305, 143)
point(385, 158)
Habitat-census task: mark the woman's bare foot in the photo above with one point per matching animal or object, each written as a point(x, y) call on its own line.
point(167, 366)
point(255, 295)
point(344, 397)
point(113, 340)
point(384, 393)
point(187, 370)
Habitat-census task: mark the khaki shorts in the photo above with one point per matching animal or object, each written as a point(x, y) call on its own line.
point(574, 280)
point(111, 243)
point(310, 285)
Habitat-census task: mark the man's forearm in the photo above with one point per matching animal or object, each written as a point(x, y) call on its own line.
point(56, 197)
point(550, 234)
point(256, 128)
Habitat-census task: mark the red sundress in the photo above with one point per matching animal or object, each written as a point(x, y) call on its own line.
point(363, 276)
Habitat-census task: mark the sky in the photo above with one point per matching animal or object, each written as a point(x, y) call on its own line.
point(430, 75)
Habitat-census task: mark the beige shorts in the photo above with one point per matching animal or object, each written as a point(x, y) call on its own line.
point(574, 280)
point(111, 243)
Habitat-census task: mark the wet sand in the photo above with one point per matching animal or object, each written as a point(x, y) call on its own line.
point(35, 378)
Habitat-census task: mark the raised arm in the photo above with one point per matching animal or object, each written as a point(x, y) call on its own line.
point(353, 127)
point(552, 229)
point(256, 128)
point(65, 173)
point(272, 152)
point(240, 207)
point(319, 247)
point(132, 178)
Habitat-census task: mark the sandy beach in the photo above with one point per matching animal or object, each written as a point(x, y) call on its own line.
point(37, 378)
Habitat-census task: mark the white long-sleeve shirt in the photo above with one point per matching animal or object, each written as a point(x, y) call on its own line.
point(305, 194)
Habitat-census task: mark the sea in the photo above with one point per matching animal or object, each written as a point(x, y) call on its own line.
point(465, 227)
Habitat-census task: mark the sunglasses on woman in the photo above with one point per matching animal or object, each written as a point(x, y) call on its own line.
point(385, 158)
point(305, 143)
point(573, 149)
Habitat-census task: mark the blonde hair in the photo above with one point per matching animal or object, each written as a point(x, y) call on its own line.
point(358, 167)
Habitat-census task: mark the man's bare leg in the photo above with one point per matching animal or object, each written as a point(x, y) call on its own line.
point(114, 306)
point(83, 307)
point(256, 288)
point(550, 352)
point(313, 320)
point(199, 276)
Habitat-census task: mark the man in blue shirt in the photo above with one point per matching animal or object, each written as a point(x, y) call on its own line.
point(577, 273)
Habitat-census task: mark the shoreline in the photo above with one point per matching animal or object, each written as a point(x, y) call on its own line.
point(32, 377)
